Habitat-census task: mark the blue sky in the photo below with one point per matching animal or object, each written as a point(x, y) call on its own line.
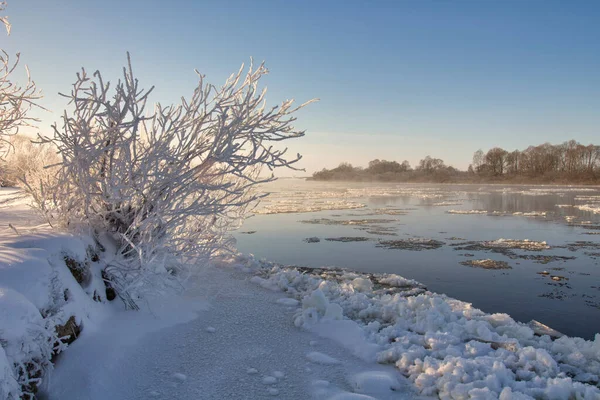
point(397, 79)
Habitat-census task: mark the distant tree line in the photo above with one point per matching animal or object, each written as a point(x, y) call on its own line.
point(547, 163)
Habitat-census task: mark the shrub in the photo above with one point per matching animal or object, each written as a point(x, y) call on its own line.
point(15, 100)
point(163, 188)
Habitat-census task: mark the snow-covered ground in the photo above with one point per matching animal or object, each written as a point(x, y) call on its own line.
point(241, 344)
point(249, 329)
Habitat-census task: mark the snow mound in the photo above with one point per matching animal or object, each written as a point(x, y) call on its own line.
point(374, 383)
point(286, 301)
point(320, 358)
point(39, 296)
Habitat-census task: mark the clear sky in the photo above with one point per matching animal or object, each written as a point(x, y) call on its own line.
point(397, 79)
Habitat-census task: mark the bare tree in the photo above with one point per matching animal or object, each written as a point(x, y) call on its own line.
point(496, 158)
point(478, 160)
point(166, 187)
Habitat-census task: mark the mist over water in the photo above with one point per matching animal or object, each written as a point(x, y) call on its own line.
point(439, 234)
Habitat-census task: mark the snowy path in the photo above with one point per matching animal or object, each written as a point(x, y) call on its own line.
point(243, 345)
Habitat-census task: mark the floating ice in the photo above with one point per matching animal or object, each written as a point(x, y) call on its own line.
point(467, 212)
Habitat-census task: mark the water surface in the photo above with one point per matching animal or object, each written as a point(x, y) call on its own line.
point(386, 227)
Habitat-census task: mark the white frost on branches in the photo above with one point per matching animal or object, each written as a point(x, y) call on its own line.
point(166, 187)
point(4, 19)
point(15, 100)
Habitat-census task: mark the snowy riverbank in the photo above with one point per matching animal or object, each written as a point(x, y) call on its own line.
point(251, 329)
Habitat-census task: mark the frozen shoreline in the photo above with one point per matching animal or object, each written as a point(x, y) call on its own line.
point(443, 345)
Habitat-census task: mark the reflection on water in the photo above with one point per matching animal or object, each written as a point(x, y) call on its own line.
point(559, 285)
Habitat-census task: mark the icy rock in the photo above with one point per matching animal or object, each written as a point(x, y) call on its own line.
point(269, 380)
point(211, 329)
point(252, 371)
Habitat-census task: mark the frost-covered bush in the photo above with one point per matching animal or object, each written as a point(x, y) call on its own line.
point(167, 185)
point(15, 100)
point(28, 163)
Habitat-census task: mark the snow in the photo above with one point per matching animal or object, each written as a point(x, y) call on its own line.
point(374, 382)
point(320, 358)
point(286, 301)
point(269, 380)
point(444, 346)
point(255, 348)
point(180, 377)
point(37, 293)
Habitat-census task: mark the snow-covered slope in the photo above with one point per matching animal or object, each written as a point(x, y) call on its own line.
point(38, 297)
